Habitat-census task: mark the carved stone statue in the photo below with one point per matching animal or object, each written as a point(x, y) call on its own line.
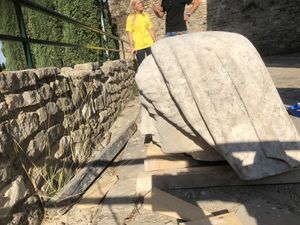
point(210, 95)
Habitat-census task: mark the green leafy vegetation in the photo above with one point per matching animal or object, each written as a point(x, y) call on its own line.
point(45, 27)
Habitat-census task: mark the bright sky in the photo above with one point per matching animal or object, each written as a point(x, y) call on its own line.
point(2, 58)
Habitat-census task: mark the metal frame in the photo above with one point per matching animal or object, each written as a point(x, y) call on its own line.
point(26, 41)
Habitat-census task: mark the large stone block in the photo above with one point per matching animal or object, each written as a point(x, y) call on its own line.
point(60, 87)
point(71, 73)
point(15, 80)
point(65, 104)
point(48, 114)
point(16, 192)
point(48, 72)
point(73, 120)
point(45, 91)
point(55, 133)
point(92, 66)
point(24, 125)
point(38, 145)
point(214, 89)
point(27, 98)
point(3, 109)
point(5, 142)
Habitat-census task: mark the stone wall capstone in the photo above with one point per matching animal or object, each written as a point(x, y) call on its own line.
point(51, 120)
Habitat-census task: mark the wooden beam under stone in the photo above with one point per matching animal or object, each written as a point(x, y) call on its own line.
point(166, 204)
point(198, 177)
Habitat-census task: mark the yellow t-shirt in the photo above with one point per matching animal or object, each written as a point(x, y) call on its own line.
point(139, 27)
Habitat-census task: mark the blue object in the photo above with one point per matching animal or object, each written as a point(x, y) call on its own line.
point(294, 110)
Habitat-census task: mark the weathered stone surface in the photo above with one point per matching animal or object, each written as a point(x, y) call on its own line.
point(78, 93)
point(72, 73)
point(97, 85)
point(60, 87)
point(87, 111)
point(27, 98)
point(87, 66)
point(99, 103)
point(5, 142)
point(14, 80)
point(47, 72)
point(65, 104)
point(45, 113)
point(65, 146)
point(6, 170)
point(82, 151)
point(223, 95)
point(24, 125)
point(38, 145)
point(55, 133)
point(103, 116)
point(3, 109)
point(45, 92)
point(73, 120)
point(81, 135)
point(16, 192)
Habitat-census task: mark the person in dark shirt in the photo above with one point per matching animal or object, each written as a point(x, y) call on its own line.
point(176, 18)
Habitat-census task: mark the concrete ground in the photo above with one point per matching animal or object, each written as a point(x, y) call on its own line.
point(254, 205)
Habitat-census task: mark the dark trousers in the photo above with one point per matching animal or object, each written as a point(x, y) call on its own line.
point(141, 54)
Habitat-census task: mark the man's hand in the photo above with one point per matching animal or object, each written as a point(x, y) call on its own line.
point(187, 17)
point(157, 8)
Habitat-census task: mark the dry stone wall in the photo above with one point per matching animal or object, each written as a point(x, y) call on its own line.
point(272, 26)
point(51, 120)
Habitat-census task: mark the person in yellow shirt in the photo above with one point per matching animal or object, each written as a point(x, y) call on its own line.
point(140, 31)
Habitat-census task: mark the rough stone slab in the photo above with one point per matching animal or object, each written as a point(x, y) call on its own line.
point(47, 72)
point(15, 193)
point(87, 66)
point(27, 98)
point(45, 113)
point(38, 145)
point(222, 90)
point(45, 91)
point(55, 133)
point(71, 73)
point(60, 87)
point(3, 109)
point(15, 80)
point(65, 104)
point(24, 126)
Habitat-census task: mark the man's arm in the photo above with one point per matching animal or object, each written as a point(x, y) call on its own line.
point(195, 4)
point(158, 10)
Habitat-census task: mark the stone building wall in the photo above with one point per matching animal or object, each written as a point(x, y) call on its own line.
point(51, 120)
point(272, 26)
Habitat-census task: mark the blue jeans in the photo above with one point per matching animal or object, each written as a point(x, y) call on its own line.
point(141, 54)
point(174, 33)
